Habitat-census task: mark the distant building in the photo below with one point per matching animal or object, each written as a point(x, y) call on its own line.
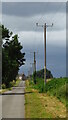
point(23, 77)
point(20, 76)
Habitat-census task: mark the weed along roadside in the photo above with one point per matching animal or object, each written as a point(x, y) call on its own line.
point(12, 84)
point(48, 104)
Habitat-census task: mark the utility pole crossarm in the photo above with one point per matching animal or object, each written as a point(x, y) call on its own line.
point(44, 25)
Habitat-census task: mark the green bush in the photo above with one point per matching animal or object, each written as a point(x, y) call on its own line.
point(11, 84)
point(3, 86)
point(39, 84)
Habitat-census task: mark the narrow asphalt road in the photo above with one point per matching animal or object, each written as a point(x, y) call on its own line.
point(13, 102)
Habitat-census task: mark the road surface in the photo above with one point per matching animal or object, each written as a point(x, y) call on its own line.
point(13, 102)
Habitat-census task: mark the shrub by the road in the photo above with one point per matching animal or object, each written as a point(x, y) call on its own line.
point(11, 84)
point(3, 86)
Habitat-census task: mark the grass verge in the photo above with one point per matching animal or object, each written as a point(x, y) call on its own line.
point(54, 87)
point(42, 105)
point(33, 106)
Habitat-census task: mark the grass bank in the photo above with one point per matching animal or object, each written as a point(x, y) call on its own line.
point(54, 87)
point(33, 106)
point(39, 104)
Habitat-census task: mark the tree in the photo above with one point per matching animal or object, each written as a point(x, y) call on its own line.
point(40, 74)
point(12, 57)
point(5, 32)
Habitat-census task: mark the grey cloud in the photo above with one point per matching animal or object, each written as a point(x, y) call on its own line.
point(34, 1)
point(23, 16)
point(53, 53)
point(30, 9)
point(29, 23)
point(0, 7)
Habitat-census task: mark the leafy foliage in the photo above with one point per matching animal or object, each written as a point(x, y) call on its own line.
point(39, 84)
point(12, 57)
point(5, 32)
point(40, 74)
point(3, 86)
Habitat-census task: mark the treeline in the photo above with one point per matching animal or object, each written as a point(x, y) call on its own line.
point(12, 57)
point(40, 74)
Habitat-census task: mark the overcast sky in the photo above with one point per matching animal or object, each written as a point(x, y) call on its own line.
point(22, 17)
point(33, 0)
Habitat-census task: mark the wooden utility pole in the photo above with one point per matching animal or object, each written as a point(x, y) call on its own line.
point(45, 54)
point(35, 67)
point(44, 26)
point(34, 61)
point(34, 72)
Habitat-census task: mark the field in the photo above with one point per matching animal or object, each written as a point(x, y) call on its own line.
point(46, 103)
